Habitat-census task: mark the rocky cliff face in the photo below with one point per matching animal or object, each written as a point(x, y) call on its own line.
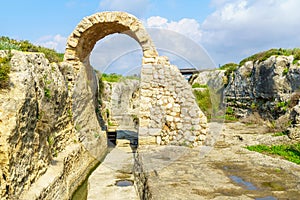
point(40, 145)
point(270, 88)
point(265, 87)
point(212, 78)
point(294, 130)
point(34, 120)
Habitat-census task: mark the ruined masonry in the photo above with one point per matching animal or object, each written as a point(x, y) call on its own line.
point(168, 108)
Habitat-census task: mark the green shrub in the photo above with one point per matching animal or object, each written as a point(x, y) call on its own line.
point(229, 114)
point(198, 85)
point(111, 77)
point(282, 105)
point(229, 111)
point(204, 102)
point(50, 140)
point(253, 106)
point(116, 77)
point(4, 71)
point(230, 118)
point(8, 44)
point(47, 92)
point(261, 56)
point(285, 71)
point(230, 68)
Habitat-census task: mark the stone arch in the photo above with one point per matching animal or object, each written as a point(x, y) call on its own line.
point(169, 112)
point(95, 27)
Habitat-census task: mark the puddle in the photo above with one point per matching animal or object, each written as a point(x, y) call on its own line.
point(240, 181)
point(266, 198)
point(124, 183)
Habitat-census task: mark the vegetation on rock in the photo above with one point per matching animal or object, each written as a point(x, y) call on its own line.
point(230, 68)
point(198, 85)
point(204, 102)
point(266, 54)
point(261, 56)
point(4, 71)
point(24, 45)
point(113, 78)
point(229, 114)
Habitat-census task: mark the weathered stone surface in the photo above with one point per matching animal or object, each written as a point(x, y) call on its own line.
point(112, 22)
point(117, 166)
point(209, 173)
point(121, 100)
point(294, 130)
point(265, 87)
point(42, 154)
point(34, 128)
point(84, 104)
point(212, 78)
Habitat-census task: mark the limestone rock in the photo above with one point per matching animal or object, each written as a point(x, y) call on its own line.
point(264, 87)
point(294, 130)
point(43, 153)
point(212, 78)
point(34, 121)
point(122, 101)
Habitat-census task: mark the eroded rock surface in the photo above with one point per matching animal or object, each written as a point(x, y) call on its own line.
point(265, 87)
point(226, 171)
point(42, 152)
point(35, 125)
point(212, 78)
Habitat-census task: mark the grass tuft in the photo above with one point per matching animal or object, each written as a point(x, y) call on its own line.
point(288, 152)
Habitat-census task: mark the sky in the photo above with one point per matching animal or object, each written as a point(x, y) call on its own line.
point(226, 30)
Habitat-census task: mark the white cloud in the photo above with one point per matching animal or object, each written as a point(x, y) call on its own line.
point(157, 21)
point(180, 41)
point(135, 7)
point(239, 28)
point(56, 42)
point(185, 26)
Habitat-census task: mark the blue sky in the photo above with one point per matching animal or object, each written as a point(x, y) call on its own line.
point(228, 30)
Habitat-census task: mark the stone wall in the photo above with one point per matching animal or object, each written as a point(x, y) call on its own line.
point(168, 108)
